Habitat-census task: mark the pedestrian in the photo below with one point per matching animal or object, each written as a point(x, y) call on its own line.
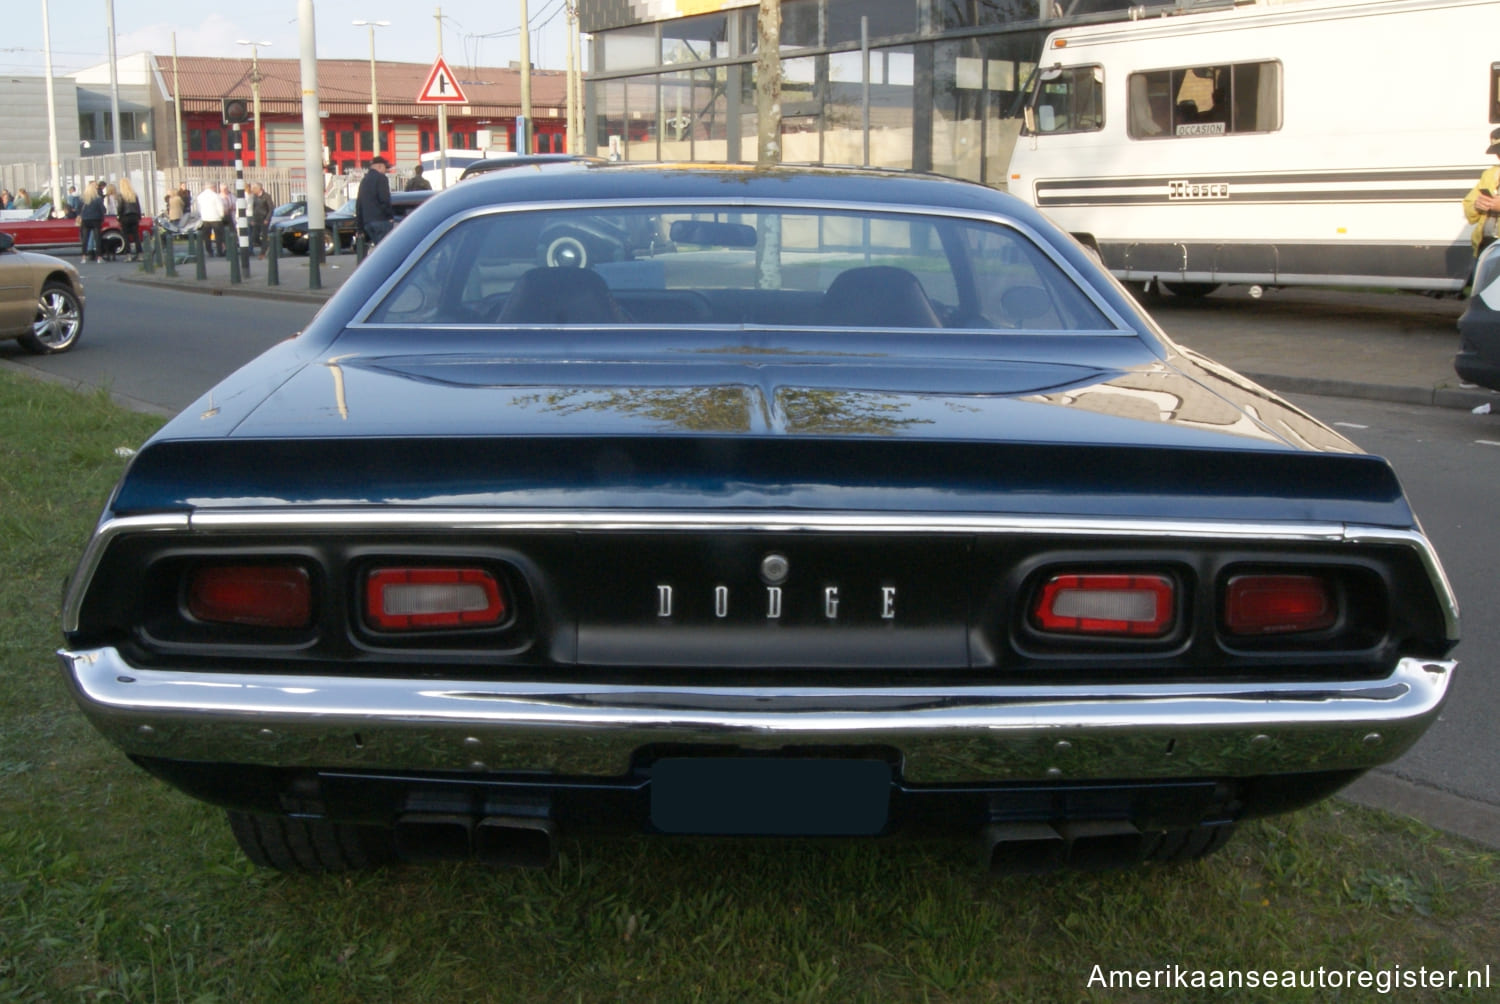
point(75, 202)
point(260, 217)
point(417, 183)
point(22, 200)
point(1482, 204)
point(175, 207)
point(187, 198)
point(130, 218)
point(372, 206)
point(90, 220)
point(211, 221)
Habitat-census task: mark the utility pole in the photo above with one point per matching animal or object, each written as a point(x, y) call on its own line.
point(177, 102)
point(114, 86)
point(260, 138)
point(572, 137)
point(57, 192)
point(374, 100)
point(442, 116)
point(523, 124)
point(312, 139)
point(768, 85)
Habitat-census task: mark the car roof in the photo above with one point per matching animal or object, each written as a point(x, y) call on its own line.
point(585, 179)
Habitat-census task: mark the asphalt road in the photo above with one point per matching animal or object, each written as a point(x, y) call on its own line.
point(159, 350)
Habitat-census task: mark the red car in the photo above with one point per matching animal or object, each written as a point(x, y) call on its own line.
point(42, 231)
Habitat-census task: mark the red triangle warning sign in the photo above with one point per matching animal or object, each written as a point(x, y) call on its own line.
point(441, 87)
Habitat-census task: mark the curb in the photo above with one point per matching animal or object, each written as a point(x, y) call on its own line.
point(1455, 398)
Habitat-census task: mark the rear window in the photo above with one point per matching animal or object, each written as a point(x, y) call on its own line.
point(760, 267)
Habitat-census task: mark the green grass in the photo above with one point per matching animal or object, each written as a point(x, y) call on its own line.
point(115, 887)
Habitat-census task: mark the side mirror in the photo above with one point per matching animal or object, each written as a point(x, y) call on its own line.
point(1029, 116)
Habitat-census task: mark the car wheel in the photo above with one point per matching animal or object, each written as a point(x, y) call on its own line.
point(113, 242)
point(59, 321)
point(310, 845)
point(567, 252)
point(1190, 290)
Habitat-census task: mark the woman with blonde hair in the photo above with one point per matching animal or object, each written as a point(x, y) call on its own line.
point(130, 219)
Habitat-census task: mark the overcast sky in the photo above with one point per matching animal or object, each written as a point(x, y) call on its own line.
point(475, 32)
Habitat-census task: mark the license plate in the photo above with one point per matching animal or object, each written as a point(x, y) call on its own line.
point(749, 796)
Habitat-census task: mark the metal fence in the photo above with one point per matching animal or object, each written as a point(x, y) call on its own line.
point(151, 184)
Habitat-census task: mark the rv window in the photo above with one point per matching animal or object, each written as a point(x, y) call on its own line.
point(1205, 101)
point(1068, 99)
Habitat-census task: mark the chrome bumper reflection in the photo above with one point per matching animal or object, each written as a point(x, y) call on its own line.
point(946, 735)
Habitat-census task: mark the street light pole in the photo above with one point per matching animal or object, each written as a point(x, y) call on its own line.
point(260, 139)
point(374, 101)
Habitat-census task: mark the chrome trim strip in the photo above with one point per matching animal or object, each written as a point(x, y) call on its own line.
point(104, 534)
point(211, 521)
point(945, 734)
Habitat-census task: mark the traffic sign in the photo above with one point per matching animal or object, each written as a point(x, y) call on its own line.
point(441, 87)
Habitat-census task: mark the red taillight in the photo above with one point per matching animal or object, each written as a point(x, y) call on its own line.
point(274, 596)
point(1137, 606)
point(1278, 604)
point(415, 599)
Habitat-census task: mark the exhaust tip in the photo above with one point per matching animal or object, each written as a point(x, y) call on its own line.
point(517, 841)
point(433, 837)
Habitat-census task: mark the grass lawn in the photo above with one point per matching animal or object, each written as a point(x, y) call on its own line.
point(115, 887)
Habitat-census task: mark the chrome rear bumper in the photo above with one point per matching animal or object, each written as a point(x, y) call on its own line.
point(945, 735)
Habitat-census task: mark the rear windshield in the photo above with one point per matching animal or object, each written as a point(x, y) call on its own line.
point(761, 267)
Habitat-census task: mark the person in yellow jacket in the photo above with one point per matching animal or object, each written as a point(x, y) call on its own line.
point(1482, 204)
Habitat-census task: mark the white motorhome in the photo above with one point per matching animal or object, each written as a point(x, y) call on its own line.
point(1274, 143)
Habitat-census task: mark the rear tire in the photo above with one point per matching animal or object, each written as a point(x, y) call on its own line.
point(1179, 846)
point(58, 323)
point(310, 845)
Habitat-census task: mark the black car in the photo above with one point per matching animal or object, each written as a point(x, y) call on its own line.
point(1478, 359)
point(873, 506)
point(338, 224)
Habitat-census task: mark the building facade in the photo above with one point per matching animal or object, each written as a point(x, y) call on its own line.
point(198, 85)
point(926, 85)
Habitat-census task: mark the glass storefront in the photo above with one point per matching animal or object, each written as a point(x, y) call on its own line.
point(940, 94)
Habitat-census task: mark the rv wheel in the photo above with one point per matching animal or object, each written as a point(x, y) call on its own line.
point(1190, 290)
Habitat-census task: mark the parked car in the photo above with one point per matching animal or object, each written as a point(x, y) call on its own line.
point(338, 224)
point(1478, 359)
point(41, 299)
point(43, 231)
point(875, 506)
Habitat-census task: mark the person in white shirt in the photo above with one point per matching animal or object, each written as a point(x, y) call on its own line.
point(211, 217)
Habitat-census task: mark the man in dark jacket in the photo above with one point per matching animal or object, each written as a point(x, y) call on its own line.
point(417, 183)
point(372, 206)
point(260, 217)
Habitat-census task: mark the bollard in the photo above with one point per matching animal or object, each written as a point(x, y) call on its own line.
point(361, 248)
point(232, 249)
point(150, 246)
point(168, 254)
point(198, 252)
point(314, 256)
point(273, 259)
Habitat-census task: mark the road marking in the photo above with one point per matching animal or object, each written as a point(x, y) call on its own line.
point(1350, 425)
